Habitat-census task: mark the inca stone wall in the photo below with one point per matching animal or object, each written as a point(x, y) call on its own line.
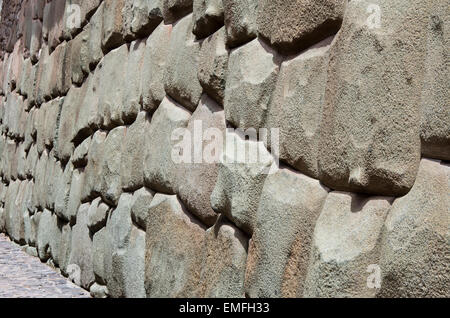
point(91, 93)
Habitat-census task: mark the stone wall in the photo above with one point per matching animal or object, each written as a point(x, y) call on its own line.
point(357, 194)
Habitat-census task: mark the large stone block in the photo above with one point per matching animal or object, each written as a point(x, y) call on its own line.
point(63, 186)
point(198, 174)
point(173, 242)
point(243, 169)
point(240, 21)
point(112, 87)
point(292, 26)
point(435, 110)
point(81, 254)
point(346, 242)
point(141, 206)
point(131, 98)
point(125, 250)
point(374, 149)
point(213, 66)
point(415, 239)
point(113, 20)
point(296, 108)
point(94, 48)
point(208, 17)
point(141, 17)
point(48, 236)
point(156, 52)
point(110, 178)
point(252, 74)
point(133, 154)
point(97, 215)
point(94, 169)
point(172, 10)
point(180, 78)
point(224, 260)
point(160, 170)
point(279, 251)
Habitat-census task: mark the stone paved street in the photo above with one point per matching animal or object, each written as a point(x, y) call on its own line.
point(24, 276)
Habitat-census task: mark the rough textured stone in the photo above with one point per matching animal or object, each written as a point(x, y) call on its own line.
point(112, 87)
point(82, 251)
point(197, 177)
point(160, 171)
point(132, 82)
point(240, 21)
point(111, 183)
point(156, 52)
point(251, 79)
point(296, 108)
point(80, 154)
point(240, 181)
point(213, 66)
point(292, 26)
point(279, 251)
point(97, 215)
point(76, 188)
point(374, 149)
point(173, 242)
point(63, 186)
point(101, 246)
point(345, 243)
point(99, 291)
point(208, 17)
point(180, 78)
point(223, 266)
point(113, 20)
point(141, 206)
point(124, 258)
point(94, 169)
point(143, 16)
point(94, 29)
point(415, 239)
point(133, 154)
point(435, 127)
point(172, 10)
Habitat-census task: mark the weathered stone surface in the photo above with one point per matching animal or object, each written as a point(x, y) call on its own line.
point(124, 257)
point(56, 24)
point(81, 253)
point(63, 186)
point(223, 267)
point(280, 24)
point(94, 169)
point(156, 52)
point(141, 206)
point(180, 78)
point(97, 215)
point(279, 251)
point(213, 65)
point(374, 149)
point(345, 243)
point(208, 17)
point(80, 57)
point(76, 188)
point(111, 182)
point(296, 108)
point(172, 10)
point(435, 110)
point(142, 17)
point(243, 169)
point(99, 291)
point(240, 21)
point(160, 171)
point(251, 79)
point(197, 176)
point(101, 246)
point(113, 20)
point(132, 82)
point(173, 242)
point(415, 239)
point(14, 222)
point(133, 154)
point(94, 48)
point(112, 87)
point(80, 155)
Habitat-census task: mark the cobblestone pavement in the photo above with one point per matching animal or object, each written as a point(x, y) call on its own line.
point(24, 276)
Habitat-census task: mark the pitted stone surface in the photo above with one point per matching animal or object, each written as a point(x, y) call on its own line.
point(24, 276)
